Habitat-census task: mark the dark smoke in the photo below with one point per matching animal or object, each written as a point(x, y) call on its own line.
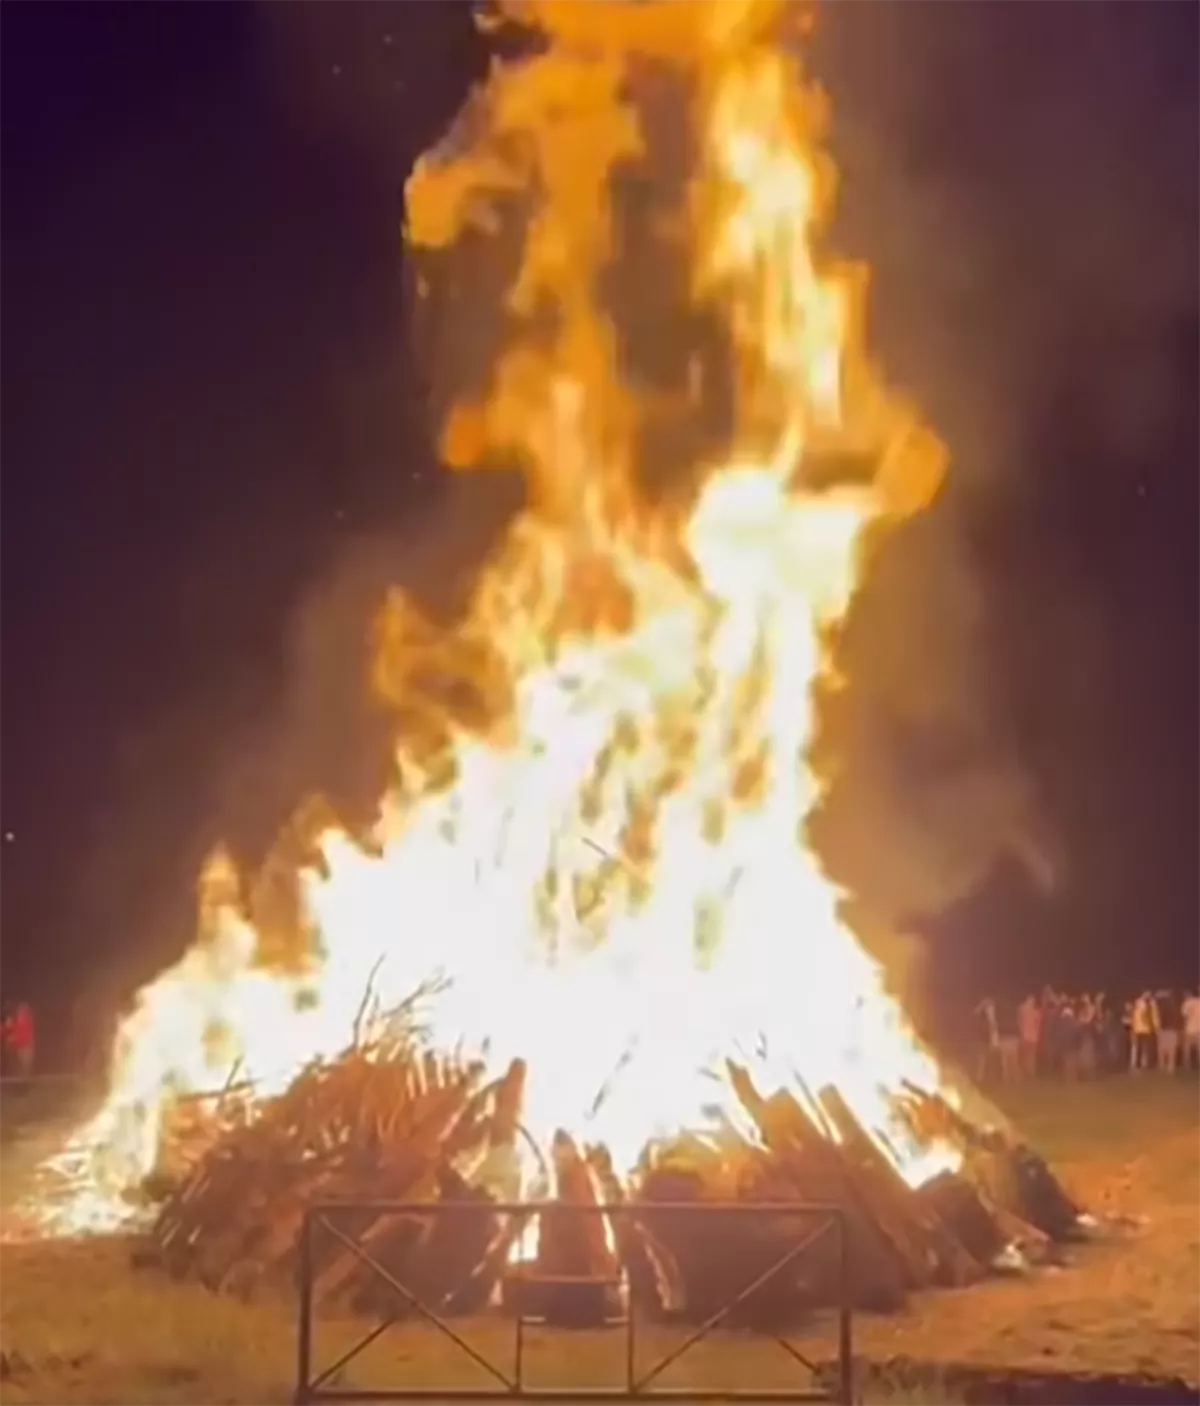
point(1023, 180)
point(330, 734)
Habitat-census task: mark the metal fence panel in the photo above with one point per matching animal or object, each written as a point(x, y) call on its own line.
point(637, 1386)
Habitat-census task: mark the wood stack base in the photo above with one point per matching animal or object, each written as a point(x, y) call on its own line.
point(409, 1128)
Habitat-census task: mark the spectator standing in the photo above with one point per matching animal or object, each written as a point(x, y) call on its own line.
point(987, 1041)
point(1069, 1037)
point(1170, 1029)
point(1007, 1041)
point(1191, 1031)
point(21, 1039)
point(1050, 1061)
point(1087, 1035)
point(1029, 1032)
point(1111, 1036)
point(1143, 1028)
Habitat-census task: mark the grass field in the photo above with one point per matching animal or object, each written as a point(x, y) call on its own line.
point(78, 1324)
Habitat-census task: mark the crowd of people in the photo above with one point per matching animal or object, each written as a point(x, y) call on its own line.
point(19, 1041)
point(1056, 1035)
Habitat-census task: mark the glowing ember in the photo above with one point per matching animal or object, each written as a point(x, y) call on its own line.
point(607, 862)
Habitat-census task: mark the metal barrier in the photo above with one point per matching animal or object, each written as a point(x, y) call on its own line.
point(638, 1386)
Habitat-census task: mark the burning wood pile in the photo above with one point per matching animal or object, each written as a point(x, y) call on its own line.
point(597, 828)
point(391, 1122)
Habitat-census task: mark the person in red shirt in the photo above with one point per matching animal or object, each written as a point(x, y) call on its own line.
point(21, 1039)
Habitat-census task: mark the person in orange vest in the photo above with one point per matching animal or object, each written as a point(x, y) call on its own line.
point(21, 1039)
point(1143, 1052)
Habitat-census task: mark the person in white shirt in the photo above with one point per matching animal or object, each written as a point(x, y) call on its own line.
point(1190, 1054)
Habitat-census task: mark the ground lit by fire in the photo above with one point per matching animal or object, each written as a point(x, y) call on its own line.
point(600, 858)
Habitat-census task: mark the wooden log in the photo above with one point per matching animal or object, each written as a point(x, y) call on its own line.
point(1019, 1181)
point(268, 1244)
point(436, 1261)
point(1010, 1174)
point(718, 1253)
point(362, 1126)
point(482, 1282)
point(1033, 1244)
point(254, 1223)
point(241, 1212)
point(884, 1261)
point(574, 1278)
point(957, 1204)
point(925, 1237)
point(502, 1177)
point(881, 1268)
point(413, 1175)
point(651, 1271)
point(570, 1243)
point(510, 1096)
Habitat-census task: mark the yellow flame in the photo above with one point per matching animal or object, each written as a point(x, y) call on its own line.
point(604, 855)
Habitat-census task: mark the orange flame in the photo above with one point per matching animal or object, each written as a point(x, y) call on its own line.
point(606, 860)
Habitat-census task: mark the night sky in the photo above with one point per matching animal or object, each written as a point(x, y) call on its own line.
point(214, 452)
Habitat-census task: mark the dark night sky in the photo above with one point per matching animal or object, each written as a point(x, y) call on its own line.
point(211, 429)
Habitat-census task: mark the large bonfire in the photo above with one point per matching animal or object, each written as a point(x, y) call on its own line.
point(592, 867)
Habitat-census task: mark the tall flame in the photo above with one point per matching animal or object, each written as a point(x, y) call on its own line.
point(601, 854)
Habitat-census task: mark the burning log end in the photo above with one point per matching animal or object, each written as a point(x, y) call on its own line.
point(573, 1244)
point(510, 1096)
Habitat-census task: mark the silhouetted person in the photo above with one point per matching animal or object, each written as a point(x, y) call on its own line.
point(20, 1039)
point(1029, 1032)
point(1170, 1029)
point(1191, 1031)
point(987, 1040)
point(1144, 1031)
point(1007, 1041)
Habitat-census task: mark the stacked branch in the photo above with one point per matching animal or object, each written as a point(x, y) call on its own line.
point(383, 1121)
point(951, 1231)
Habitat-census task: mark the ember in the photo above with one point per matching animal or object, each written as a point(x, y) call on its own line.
point(636, 985)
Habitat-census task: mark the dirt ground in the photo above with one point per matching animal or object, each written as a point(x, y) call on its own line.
point(78, 1324)
point(1129, 1302)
